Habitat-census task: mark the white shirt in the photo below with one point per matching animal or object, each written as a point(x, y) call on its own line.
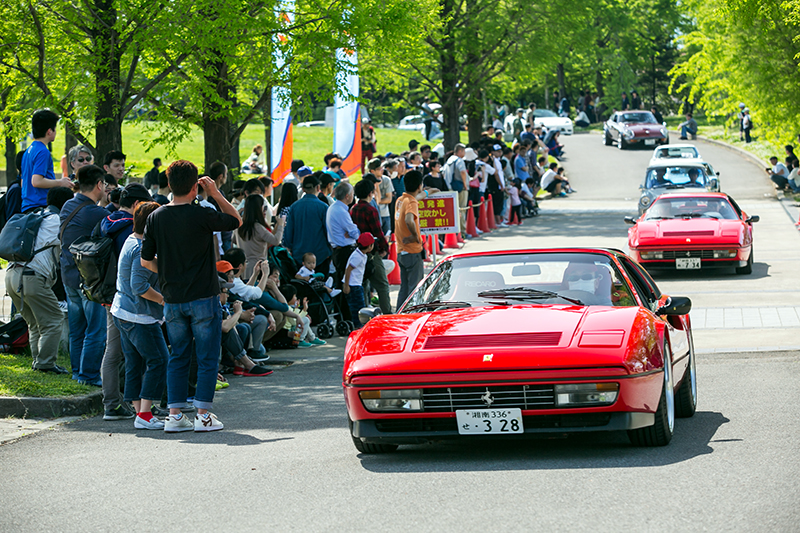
point(217, 234)
point(498, 167)
point(526, 191)
point(357, 260)
point(244, 291)
point(47, 261)
point(305, 272)
point(486, 171)
point(793, 175)
point(780, 169)
point(548, 178)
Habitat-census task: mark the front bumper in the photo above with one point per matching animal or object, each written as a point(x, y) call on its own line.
point(421, 430)
point(705, 255)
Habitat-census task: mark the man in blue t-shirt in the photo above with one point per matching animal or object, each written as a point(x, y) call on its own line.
point(37, 164)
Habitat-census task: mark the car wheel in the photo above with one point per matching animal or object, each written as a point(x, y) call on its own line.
point(621, 143)
point(660, 433)
point(686, 398)
point(747, 269)
point(369, 447)
point(607, 140)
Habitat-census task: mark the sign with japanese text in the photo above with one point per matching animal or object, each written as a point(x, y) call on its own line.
point(439, 213)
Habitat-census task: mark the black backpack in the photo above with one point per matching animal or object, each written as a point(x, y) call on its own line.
point(96, 259)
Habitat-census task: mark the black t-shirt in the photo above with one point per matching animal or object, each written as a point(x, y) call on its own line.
point(437, 183)
point(182, 239)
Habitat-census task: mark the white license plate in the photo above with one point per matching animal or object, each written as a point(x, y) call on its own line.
point(649, 141)
point(687, 263)
point(489, 421)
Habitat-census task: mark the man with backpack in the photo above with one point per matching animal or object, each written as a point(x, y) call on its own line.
point(87, 319)
point(30, 285)
point(118, 226)
point(455, 174)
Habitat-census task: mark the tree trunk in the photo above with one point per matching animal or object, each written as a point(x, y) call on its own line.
point(216, 124)
point(474, 119)
point(562, 91)
point(11, 161)
point(449, 75)
point(108, 122)
point(69, 138)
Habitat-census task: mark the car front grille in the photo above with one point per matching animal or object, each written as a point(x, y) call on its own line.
point(427, 425)
point(449, 399)
point(703, 254)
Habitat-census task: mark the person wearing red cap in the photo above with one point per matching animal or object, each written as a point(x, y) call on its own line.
point(354, 275)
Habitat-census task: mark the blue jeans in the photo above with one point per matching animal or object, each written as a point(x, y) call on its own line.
point(146, 357)
point(201, 321)
point(686, 131)
point(87, 335)
point(386, 225)
point(355, 300)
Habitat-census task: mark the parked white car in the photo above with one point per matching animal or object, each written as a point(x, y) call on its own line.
point(412, 122)
point(675, 151)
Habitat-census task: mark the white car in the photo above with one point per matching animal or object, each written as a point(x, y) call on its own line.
point(312, 124)
point(543, 117)
point(412, 122)
point(675, 151)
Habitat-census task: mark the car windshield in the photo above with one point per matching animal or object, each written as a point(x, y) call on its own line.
point(675, 177)
point(666, 208)
point(644, 117)
point(682, 152)
point(567, 278)
point(544, 113)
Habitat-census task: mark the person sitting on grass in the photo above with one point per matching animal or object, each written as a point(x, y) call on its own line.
point(300, 329)
point(552, 182)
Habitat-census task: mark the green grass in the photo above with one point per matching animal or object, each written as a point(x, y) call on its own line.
point(310, 145)
point(17, 379)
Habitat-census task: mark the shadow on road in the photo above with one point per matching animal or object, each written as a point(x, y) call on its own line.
point(760, 270)
point(578, 225)
point(588, 450)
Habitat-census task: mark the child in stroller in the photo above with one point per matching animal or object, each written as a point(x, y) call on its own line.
point(306, 273)
point(324, 308)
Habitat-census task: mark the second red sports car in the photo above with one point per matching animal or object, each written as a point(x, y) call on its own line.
point(693, 230)
point(520, 342)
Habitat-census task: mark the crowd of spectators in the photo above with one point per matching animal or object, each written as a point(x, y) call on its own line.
point(198, 292)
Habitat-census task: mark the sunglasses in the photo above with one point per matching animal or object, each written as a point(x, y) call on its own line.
point(84, 160)
point(584, 276)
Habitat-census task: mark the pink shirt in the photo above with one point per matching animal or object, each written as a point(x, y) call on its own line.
point(514, 194)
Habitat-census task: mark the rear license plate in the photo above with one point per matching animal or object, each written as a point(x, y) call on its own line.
point(649, 141)
point(687, 263)
point(489, 421)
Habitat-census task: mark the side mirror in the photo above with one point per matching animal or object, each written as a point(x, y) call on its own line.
point(675, 305)
point(717, 173)
point(713, 184)
point(365, 314)
point(630, 220)
point(754, 218)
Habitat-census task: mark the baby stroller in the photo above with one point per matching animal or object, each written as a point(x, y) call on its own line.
point(325, 312)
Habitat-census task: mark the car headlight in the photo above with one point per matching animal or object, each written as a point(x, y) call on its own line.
point(645, 201)
point(664, 132)
point(405, 400)
point(724, 254)
point(628, 134)
point(651, 255)
point(586, 394)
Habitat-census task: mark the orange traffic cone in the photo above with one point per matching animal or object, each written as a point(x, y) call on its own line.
point(490, 213)
point(394, 275)
point(483, 225)
point(450, 240)
point(459, 238)
point(471, 231)
point(435, 245)
point(426, 242)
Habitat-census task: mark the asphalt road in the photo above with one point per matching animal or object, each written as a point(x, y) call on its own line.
point(285, 460)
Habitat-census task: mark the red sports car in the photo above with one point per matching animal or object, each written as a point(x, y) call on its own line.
point(693, 230)
point(514, 343)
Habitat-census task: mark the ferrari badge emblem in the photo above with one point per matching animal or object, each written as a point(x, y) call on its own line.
point(688, 240)
point(488, 358)
point(487, 398)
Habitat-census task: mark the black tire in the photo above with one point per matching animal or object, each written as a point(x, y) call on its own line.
point(343, 328)
point(368, 447)
point(621, 143)
point(660, 433)
point(686, 397)
point(747, 269)
point(324, 331)
point(607, 140)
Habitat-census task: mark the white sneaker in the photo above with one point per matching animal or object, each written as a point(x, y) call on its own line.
point(335, 293)
point(207, 422)
point(479, 231)
point(153, 423)
point(329, 283)
point(173, 424)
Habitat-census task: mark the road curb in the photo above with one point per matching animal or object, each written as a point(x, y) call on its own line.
point(25, 407)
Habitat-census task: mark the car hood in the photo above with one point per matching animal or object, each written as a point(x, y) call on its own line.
point(694, 231)
point(516, 337)
point(645, 129)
